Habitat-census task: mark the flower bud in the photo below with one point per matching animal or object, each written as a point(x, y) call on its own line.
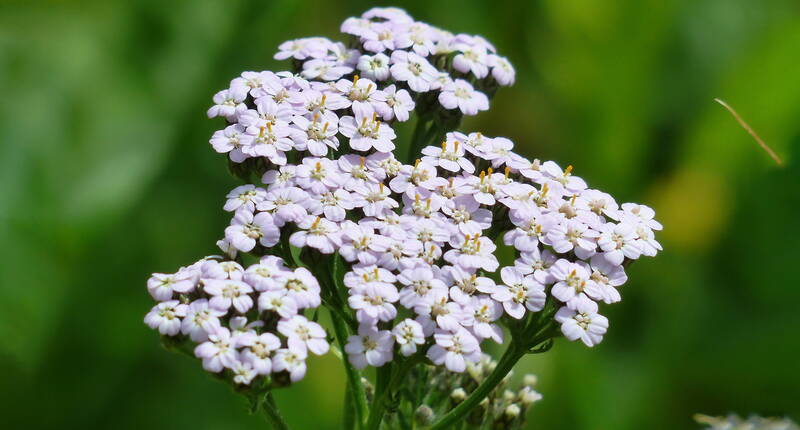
point(424, 415)
point(530, 380)
point(512, 411)
point(458, 395)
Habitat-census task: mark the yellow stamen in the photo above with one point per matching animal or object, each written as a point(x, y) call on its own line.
point(355, 79)
point(363, 123)
point(574, 271)
point(363, 159)
point(316, 222)
point(416, 199)
point(568, 170)
point(322, 101)
point(316, 118)
point(489, 171)
point(572, 200)
point(325, 128)
point(416, 163)
point(444, 146)
point(318, 166)
point(428, 203)
point(508, 171)
point(482, 176)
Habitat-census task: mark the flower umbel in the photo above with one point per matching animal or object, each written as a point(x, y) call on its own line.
point(400, 249)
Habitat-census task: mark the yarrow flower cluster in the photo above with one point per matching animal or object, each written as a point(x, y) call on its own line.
point(401, 252)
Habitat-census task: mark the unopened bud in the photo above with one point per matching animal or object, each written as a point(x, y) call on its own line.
point(424, 415)
point(512, 411)
point(458, 395)
point(509, 395)
point(530, 380)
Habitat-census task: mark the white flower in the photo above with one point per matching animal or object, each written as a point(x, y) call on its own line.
point(292, 361)
point(333, 205)
point(607, 276)
point(520, 292)
point(243, 372)
point(247, 229)
point(573, 235)
point(370, 347)
point(454, 349)
point(317, 233)
point(466, 283)
point(481, 313)
point(574, 285)
point(226, 293)
point(218, 351)
point(502, 70)
point(472, 59)
point(374, 302)
point(366, 131)
point(361, 93)
point(408, 334)
point(420, 283)
point(303, 334)
point(537, 263)
point(228, 103)
point(244, 197)
point(583, 323)
point(374, 199)
point(394, 103)
point(162, 286)
point(449, 157)
point(472, 252)
point(229, 141)
point(266, 274)
point(374, 66)
point(277, 301)
point(460, 94)
point(324, 69)
point(316, 134)
point(286, 205)
point(200, 320)
point(361, 243)
point(166, 317)
point(619, 241)
point(267, 141)
point(302, 287)
point(412, 69)
point(259, 351)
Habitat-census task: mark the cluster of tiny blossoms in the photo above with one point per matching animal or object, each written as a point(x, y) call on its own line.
point(419, 240)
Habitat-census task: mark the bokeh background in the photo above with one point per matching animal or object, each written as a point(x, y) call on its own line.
point(106, 176)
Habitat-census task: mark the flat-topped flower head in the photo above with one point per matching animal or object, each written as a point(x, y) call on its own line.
point(400, 246)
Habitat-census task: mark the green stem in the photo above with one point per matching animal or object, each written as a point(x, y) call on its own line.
point(353, 376)
point(272, 414)
point(418, 139)
point(378, 409)
point(506, 363)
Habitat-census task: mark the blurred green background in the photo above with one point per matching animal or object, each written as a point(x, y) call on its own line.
point(106, 175)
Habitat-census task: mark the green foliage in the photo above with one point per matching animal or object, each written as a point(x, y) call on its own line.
point(106, 174)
